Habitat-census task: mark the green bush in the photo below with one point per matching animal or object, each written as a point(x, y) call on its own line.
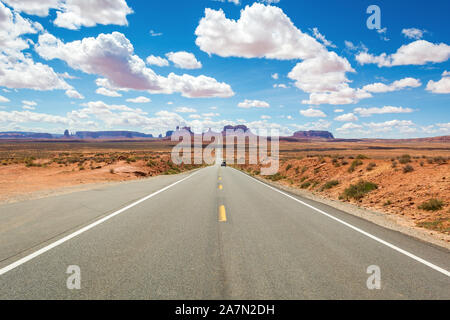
point(359, 190)
point(276, 177)
point(354, 164)
point(329, 185)
point(404, 159)
point(371, 166)
point(432, 205)
point(407, 168)
point(305, 185)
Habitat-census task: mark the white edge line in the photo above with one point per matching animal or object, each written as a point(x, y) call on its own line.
point(84, 229)
point(390, 245)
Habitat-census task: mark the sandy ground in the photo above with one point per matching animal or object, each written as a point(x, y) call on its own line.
point(398, 193)
point(18, 182)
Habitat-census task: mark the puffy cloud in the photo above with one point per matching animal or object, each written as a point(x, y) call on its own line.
point(265, 117)
point(320, 124)
point(346, 117)
point(275, 76)
point(157, 61)
point(139, 100)
point(184, 60)
point(323, 73)
point(246, 104)
point(322, 38)
point(338, 110)
point(280, 85)
point(185, 110)
point(107, 92)
point(24, 73)
point(366, 112)
point(18, 71)
point(418, 52)
point(72, 93)
point(396, 85)
point(248, 37)
point(34, 7)
point(347, 127)
point(29, 103)
point(77, 13)
point(3, 99)
point(112, 56)
point(413, 33)
point(388, 125)
point(312, 113)
point(28, 116)
point(73, 14)
point(441, 86)
point(346, 95)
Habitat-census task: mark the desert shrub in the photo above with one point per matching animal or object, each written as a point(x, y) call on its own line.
point(304, 169)
point(432, 205)
point(303, 178)
point(439, 160)
point(359, 190)
point(344, 162)
point(387, 203)
point(289, 166)
point(316, 170)
point(361, 157)
point(404, 159)
point(407, 168)
point(371, 166)
point(151, 163)
point(111, 171)
point(329, 185)
point(394, 164)
point(354, 164)
point(305, 185)
point(276, 177)
point(296, 170)
point(421, 163)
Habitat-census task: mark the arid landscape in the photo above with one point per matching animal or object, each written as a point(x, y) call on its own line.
point(410, 178)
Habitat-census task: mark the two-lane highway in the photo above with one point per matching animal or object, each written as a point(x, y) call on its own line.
point(212, 234)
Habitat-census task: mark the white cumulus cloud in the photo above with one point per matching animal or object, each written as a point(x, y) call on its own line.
point(246, 104)
point(184, 60)
point(396, 85)
point(157, 61)
point(313, 113)
point(112, 56)
point(419, 52)
point(441, 86)
point(366, 112)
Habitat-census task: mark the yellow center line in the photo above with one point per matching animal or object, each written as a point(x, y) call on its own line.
point(222, 214)
point(220, 187)
point(220, 178)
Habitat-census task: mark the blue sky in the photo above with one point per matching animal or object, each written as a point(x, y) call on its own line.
point(287, 65)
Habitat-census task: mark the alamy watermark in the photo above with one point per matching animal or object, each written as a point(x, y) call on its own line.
point(374, 280)
point(74, 280)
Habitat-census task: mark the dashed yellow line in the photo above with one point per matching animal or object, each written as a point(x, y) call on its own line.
point(222, 214)
point(220, 187)
point(220, 178)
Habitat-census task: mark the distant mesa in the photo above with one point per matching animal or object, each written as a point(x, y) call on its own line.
point(313, 134)
point(110, 134)
point(235, 128)
point(25, 135)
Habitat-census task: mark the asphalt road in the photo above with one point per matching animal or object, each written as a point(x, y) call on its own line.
point(212, 234)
